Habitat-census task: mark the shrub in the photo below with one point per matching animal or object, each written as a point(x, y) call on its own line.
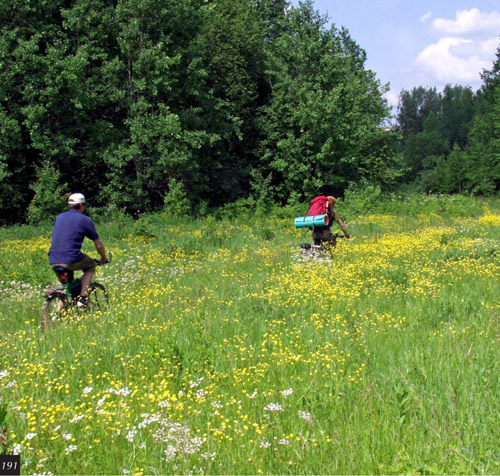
point(176, 202)
point(262, 191)
point(50, 195)
point(144, 227)
point(361, 199)
point(244, 207)
point(115, 220)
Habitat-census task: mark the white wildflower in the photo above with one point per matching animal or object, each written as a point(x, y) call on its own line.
point(287, 393)
point(29, 436)
point(70, 449)
point(87, 390)
point(67, 436)
point(210, 456)
point(131, 434)
point(101, 401)
point(305, 416)
point(196, 383)
point(122, 392)
point(273, 407)
point(265, 444)
point(170, 453)
point(78, 418)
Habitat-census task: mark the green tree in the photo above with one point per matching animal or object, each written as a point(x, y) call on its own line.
point(456, 167)
point(458, 113)
point(422, 150)
point(483, 171)
point(414, 107)
point(11, 167)
point(325, 110)
point(483, 153)
point(154, 145)
point(232, 46)
point(58, 86)
point(176, 201)
point(25, 33)
point(49, 198)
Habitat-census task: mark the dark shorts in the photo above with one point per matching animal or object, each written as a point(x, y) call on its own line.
point(321, 234)
point(85, 264)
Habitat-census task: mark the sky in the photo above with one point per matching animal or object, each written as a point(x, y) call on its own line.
point(427, 43)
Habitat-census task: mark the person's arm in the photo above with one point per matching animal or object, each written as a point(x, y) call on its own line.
point(101, 250)
point(342, 226)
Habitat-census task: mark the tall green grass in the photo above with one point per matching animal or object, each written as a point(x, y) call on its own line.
point(226, 351)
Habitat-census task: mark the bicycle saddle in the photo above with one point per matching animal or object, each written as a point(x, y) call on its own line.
point(64, 275)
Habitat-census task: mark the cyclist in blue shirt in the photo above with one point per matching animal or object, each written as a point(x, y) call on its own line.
point(70, 230)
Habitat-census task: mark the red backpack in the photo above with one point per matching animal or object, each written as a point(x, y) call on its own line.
point(319, 206)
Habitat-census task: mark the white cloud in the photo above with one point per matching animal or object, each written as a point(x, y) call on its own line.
point(455, 60)
point(488, 47)
point(392, 98)
point(466, 45)
point(469, 22)
point(426, 17)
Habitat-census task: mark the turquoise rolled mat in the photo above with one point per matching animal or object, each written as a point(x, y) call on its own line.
point(311, 221)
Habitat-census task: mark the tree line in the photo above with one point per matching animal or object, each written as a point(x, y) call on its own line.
point(137, 102)
point(451, 140)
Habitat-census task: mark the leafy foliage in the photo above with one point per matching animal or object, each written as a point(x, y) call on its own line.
point(176, 200)
point(321, 125)
point(49, 198)
point(483, 154)
point(450, 141)
point(125, 96)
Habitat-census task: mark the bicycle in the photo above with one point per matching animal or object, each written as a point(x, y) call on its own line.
point(64, 296)
point(327, 247)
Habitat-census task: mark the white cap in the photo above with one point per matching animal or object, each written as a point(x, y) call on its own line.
point(76, 199)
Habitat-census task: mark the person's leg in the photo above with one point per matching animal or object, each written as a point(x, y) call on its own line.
point(86, 280)
point(316, 236)
point(60, 302)
point(330, 238)
point(87, 265)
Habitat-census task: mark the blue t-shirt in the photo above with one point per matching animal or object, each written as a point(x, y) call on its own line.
point(69, 232)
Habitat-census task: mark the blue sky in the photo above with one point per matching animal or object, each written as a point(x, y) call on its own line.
point(421, 42)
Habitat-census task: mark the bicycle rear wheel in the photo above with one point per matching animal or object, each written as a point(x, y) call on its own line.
point(51, 310)
point(97, 297)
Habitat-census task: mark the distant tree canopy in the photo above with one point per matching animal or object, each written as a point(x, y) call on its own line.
point(451, 140)
point(129, 101)
point(122, 97)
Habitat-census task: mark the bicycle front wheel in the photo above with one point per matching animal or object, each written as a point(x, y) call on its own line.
point(51, 310)
point(97, 297)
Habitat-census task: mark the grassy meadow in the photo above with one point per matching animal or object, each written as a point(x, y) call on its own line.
point(226, 351)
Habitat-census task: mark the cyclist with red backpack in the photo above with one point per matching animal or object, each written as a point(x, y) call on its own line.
point(322, 205)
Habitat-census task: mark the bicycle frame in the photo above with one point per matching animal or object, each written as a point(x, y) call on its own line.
point(324, 245)
point(67, 279)
point(65, 295)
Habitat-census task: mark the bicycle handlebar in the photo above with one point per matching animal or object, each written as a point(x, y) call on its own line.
point(110, 257)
